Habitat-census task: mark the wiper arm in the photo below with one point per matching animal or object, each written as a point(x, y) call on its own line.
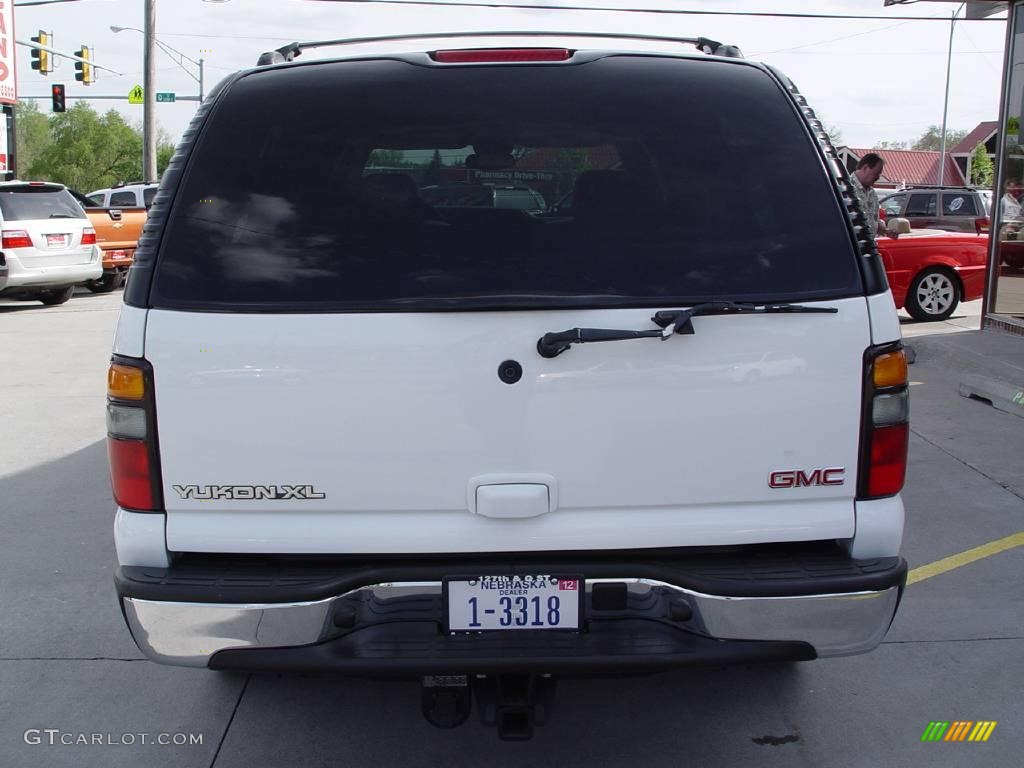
point(554, 344)
point(63, 216)
point(671, 322)
point(680, 318)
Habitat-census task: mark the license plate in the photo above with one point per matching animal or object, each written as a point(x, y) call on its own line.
point(119, 254)
point(57, 241)
point(480, 603)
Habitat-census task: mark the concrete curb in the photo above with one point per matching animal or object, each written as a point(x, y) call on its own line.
point(1003, 395)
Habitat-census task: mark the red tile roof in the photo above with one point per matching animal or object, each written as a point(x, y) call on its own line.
point(913, 166)
point(980, 134)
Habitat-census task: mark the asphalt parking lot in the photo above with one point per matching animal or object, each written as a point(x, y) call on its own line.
point(68, 665)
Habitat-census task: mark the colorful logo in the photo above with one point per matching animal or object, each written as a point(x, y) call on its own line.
point(959, 730)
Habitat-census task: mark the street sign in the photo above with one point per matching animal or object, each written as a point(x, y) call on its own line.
point(164, 96)
point(135, 95)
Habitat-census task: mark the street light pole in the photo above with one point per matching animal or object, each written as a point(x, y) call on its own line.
point(945, 107)
point(200, 81)
point(149, 94)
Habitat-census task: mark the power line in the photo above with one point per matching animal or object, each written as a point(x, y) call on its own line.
point(42, 2)
point(674, 12)
point(832, 39)
point(227, 37)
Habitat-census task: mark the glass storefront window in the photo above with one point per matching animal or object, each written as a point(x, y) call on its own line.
point(1009, 211)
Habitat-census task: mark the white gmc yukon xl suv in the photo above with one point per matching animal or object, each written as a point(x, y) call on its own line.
point(352, 431)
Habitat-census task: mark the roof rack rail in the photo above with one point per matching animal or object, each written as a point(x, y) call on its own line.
point(289, 52)
point(939, 186)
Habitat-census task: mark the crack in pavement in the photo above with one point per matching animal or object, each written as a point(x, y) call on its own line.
point(68, 658)
point(954, 640)
point(231, 720)
point(966, 464)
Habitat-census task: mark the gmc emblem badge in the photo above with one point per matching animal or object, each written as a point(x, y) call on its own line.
point(797, 478)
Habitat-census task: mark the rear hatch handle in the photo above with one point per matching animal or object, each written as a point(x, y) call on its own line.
point(671, 322)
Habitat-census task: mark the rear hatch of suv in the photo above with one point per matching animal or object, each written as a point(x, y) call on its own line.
point(341, 367)
point(44, 226)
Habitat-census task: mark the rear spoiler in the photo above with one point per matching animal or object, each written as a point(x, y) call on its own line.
point(291, 51)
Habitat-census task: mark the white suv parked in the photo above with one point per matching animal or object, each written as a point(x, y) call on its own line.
point(48, 246)
point(354, 432)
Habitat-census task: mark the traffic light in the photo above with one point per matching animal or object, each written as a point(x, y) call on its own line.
point(83, 69)
point(41, 59)
point(57, 92)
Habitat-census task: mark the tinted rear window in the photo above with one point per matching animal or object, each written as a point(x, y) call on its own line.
point(29, 203)
point(126, 199)
point(373, 185)
point(958, 204)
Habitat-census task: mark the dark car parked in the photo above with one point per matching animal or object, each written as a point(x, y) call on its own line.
point(961, 209)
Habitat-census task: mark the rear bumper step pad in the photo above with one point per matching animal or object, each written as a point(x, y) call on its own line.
point(389, 616)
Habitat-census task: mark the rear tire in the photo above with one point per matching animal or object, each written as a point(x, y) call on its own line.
point(1014, 260)
point(109, 282)
point(934, 295)
point(56, 296)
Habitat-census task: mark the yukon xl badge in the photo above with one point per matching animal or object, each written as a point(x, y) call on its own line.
point(248, 492)
point(797, 478)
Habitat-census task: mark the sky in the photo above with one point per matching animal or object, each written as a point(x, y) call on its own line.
point(874, 80)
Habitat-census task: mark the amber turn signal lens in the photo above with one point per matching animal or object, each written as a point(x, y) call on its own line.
point(890, 370)
point(125, 382)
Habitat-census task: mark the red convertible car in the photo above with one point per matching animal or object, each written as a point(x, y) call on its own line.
point(931, 271)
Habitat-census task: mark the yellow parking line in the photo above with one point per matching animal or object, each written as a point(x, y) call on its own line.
point(965, 558)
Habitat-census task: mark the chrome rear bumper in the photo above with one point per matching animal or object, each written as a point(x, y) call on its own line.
point(191, 633)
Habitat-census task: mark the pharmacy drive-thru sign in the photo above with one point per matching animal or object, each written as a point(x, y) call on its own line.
point(8, 89)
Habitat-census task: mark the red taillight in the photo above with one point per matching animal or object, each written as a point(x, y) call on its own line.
point(886, 427)
point(130, 473)
point(982, 225)
point(888, 460)
point(88, 236)
point(497, 55)
point(16, 238)
point(134, 467)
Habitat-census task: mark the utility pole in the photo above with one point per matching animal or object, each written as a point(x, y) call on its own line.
point(149, 97)
point(945, 107)
point(201, 81)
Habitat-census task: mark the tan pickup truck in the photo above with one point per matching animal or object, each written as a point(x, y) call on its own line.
point(117, 233)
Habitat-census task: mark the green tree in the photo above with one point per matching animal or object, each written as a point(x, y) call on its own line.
point(33, 130)
point(433, 173)
point(89, 151)
point(164, 152)
point(932, 139)
point(891, 145)
point(982, 169)
point(568, 163)
point(386, 158)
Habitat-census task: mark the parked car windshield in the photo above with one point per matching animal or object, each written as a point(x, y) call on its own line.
point(676, 193)
point(29, 203)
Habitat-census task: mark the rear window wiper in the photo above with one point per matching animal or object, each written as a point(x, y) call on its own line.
point(670, 321)
point(63, 216)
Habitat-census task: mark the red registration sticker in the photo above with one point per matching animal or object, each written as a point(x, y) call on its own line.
point(568, 584)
